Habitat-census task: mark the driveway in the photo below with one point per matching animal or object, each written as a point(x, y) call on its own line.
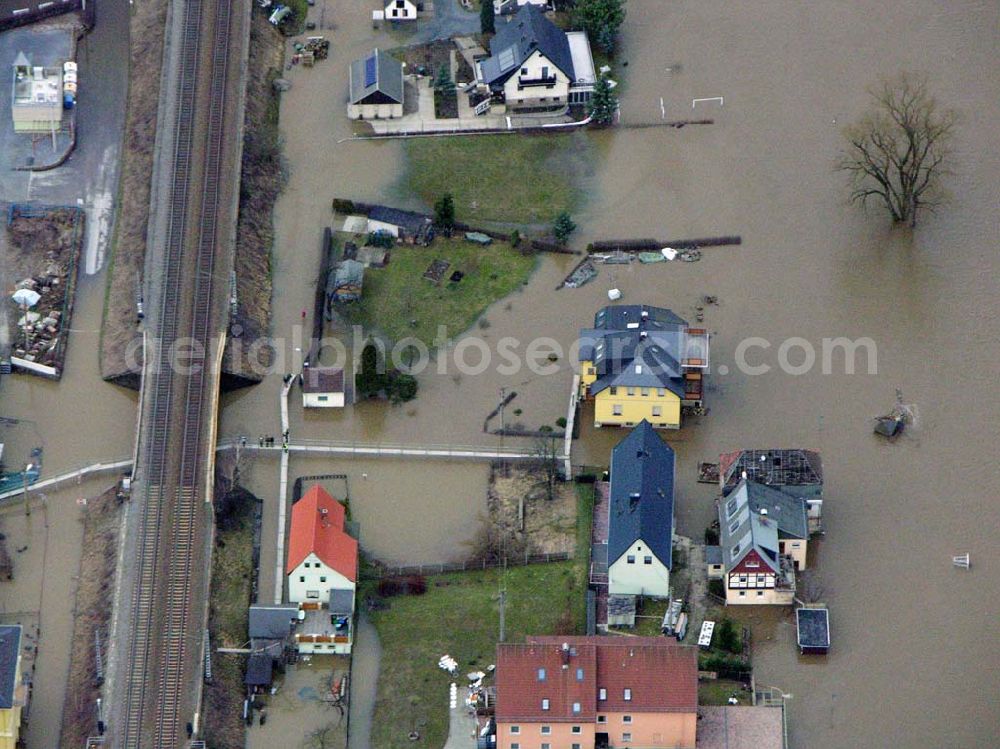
point(450, 19)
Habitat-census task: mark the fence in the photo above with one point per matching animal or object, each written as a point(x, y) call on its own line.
point(468, 566)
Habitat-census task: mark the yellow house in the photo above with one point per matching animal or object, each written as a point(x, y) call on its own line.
point(641, 362)
point(12, 691)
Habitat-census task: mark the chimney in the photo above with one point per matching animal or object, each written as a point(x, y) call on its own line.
point(565, 655)
point(763, 512)
point(744, 475)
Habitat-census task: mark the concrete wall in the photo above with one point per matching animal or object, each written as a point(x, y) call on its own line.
point(374, 111)
point(638, 578)
point(650, 730)
point(532, 96)
point(530, 736)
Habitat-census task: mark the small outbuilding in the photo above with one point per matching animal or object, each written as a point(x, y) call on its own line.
point(813, 625)
point(376, 88)
point(347, 281)
point(400, 10)
point(323, 387)
point(407, 226)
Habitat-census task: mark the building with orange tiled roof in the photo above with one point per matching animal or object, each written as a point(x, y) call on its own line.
point(322, 570)
point(586, 692)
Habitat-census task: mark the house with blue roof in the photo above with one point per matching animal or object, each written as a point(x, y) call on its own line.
point(641, 515)
point(640, 362)
point(533, 64)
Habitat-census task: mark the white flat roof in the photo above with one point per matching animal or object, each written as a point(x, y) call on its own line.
point(583, 60)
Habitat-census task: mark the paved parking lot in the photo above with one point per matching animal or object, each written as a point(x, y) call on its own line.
point(90, 175)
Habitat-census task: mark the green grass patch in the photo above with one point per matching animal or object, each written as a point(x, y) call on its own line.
point(718, 692)
point(399, 302)
point(458, 615)
point(232, 568)
point(512, 178)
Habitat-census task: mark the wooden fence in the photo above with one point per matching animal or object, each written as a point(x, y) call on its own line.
point(468, 566)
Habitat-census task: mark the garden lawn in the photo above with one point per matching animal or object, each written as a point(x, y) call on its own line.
point(399, 302)
point(458, 615)
point(518, 178)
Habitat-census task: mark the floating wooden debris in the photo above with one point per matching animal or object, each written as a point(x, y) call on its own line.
point(892, 424)
point(962, 562)
point(582, 274)
point(708, 473)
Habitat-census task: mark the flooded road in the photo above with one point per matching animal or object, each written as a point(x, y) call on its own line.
point(912, 662)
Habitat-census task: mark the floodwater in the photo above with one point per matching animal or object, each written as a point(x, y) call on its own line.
point(45, 546)
point(912, 663)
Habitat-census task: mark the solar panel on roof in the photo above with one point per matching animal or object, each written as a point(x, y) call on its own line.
point(371, 71)
point(507, 58)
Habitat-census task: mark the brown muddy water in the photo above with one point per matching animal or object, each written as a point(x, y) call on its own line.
point(913, 661)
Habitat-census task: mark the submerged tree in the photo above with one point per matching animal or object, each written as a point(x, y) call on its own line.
point(601, 19)
point(487, 18)
point(603, 102)
point(563, 227)
point(899, 150)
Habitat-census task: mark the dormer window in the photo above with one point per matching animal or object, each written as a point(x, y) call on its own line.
point(545, 704)
point(627, 694)
point(541, 674)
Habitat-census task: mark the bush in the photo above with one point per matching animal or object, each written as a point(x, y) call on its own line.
point(711, 536)
point(343, 206)
point(381, 239)
point(729, 639)
point(402, 387)
point(408, 585)
point(515, 238)
point(717, 588)
point(561, 422)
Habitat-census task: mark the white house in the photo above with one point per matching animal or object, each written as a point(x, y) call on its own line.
point(504, 7)
point(322, 570)
point(758, 566)
point(533, 64)
point(400, 10)
point(641, 515)
point(323, 387)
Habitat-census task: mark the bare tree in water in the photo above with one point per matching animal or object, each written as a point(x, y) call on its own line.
point(899, 150)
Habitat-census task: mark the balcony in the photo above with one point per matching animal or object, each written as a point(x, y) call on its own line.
point(523, 83)
point(696, 349)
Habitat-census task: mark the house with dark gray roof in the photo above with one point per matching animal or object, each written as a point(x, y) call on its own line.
point(794, 471)
point(533, 64)
point(642, 362)
point(756, 529)
point(13, 692)
point(406, 226)
point(376, 87)
point(641, 515)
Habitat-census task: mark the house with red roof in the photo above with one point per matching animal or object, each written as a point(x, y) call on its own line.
point(586, 692)
point(322, 570)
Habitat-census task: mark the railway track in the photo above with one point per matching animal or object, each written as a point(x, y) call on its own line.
point(162, 658)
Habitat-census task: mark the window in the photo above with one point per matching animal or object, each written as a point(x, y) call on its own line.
point(616, 409)
point(736, 550)
point(515, 745)
point(630, 559)
point(322, 398)
point(306, 565)
point(661, 392)
point(576, 708)
point(545, 704)
point(591, 371)
point(626, 736)
point(753, 563)
point(614, 390)
point(312, 594)
point(524, 71)
point(546, 730)
point(546, 745)
point(545, 71)
point(322, 578)
point(630, 391)
point(602, 694)
point(602, 718)
point(515, 729)
point(541, 674)
point(302, 578)
point(644, 392)
point(742, 593)
point(647, 560)
point(579, 674)
point(760, 593)
point(628, 694)
point(575, 746)
point(735, 524)
point(577, 729)
point(626, 719)
point(657, 411)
